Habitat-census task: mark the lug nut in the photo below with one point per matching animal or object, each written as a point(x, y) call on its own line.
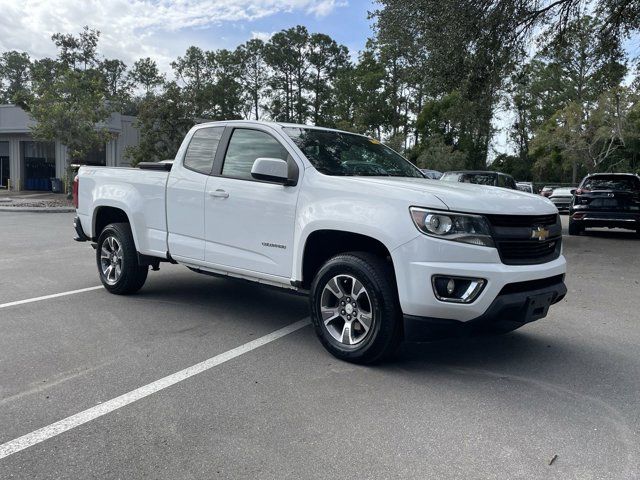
point(348, 299)
point(342, 303)
point(348, 317)
point(342, 312)
point(354, 305)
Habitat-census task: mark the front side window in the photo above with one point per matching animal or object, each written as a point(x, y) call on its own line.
point(245, 147)
point(346, 154)
point(202, 149)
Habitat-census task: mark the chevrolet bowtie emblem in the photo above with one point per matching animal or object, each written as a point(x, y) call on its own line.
point(540, 233)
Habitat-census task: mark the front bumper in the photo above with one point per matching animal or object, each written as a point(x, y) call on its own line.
point(418, 260)
point(562, 204)
point(516, 305)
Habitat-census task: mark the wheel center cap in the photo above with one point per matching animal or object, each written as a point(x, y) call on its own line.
point(348, 309)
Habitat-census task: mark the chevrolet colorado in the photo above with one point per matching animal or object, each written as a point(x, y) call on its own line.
point(384, 253)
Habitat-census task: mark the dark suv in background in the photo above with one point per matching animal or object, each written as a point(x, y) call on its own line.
point(609, 200)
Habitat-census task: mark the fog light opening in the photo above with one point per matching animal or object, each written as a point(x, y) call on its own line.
point(457, 289)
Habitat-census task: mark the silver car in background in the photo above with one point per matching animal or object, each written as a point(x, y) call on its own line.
point(562, 198)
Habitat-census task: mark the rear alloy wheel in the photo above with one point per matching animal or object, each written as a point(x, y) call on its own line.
point(354, 307)
point(117, 260)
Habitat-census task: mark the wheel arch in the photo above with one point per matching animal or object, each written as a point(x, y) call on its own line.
point(103, 215)
point(321, 245)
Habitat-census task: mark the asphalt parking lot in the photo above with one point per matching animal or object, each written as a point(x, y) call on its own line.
point(490, 407)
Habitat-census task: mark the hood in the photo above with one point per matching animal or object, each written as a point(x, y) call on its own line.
point(466, 197)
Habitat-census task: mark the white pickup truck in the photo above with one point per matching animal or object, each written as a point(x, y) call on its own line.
point(384, 253)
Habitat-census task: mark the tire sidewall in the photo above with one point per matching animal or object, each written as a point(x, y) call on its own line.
point(122, 233)
point(384, 321)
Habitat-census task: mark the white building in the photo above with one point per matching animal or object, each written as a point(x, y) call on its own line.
point(27, 164)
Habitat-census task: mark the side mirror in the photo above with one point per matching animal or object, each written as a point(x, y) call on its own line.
point(573, 191)
point(271, 170)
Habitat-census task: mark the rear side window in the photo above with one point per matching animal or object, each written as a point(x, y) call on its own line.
point(202, 149)
point(245, 147)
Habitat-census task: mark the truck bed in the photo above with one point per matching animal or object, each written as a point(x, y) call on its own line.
point(139, 193)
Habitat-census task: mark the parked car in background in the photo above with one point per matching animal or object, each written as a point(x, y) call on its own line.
point(480, 177)
point(547, 190)
point(610, 200)
point(432, 174)
point(525, 186)
point(562, 198)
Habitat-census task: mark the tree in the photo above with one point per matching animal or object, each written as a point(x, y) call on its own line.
point(570, 75)
point(287, 55)
point(227, 94)
point(117, 83)
point(196, 71)
point(254, 74)
point(68, 99)
point(585, 142)
point(77, 52)
point(371, 109)
point(438, 155)
point(14, 77)
point(145, 74)
point(163, 121)
point(466, 46)
point(326, 58)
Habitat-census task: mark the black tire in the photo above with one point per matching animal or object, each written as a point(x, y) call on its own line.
point(575, 229)
point(377, 277)
point(133, 275)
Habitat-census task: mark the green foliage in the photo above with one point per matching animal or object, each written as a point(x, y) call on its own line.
point(431, 77)
point(68, 97)
point(436, 154)
point(14, 77)
point(163, 121)
point(145, 74)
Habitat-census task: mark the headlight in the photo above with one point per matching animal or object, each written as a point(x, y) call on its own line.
point(459, 227)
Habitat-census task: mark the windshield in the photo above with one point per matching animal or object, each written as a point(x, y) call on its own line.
point(611, 182)
point(478, 178)
point(345, 154)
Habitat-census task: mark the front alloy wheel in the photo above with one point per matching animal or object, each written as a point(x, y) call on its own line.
point(346, 309)
point(354, 307)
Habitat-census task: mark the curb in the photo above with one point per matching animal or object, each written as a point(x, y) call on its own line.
point(38, 209)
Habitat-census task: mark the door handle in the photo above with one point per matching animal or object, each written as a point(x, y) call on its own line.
point(219, 193)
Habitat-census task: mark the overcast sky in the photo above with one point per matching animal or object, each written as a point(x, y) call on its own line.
point(163, 29)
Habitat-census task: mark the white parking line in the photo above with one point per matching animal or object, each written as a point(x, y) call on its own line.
point(109, 406)
point(47, 297)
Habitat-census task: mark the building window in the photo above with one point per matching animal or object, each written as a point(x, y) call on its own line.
point(38, 164)
point(4, 164)
point(96, 157)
